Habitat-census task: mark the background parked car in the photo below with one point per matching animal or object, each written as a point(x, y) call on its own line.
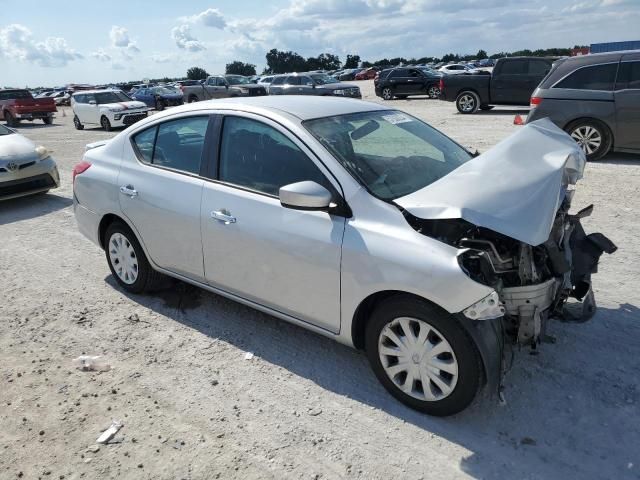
point(25, 169)
point(596, 99)
point(61, 98)
point(458, 69)
point(222, 86)
point(265, 80)
point(349, 74)
point(18, 104)
point(159, 97)
point(312, 84)
point(512, 82)
point(107, 108)
point(366, 74)
point(402, 82)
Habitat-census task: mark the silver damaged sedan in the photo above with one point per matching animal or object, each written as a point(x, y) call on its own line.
point(25, 169)
point(359, 222)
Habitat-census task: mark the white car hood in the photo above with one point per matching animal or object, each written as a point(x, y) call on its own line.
point(134, 105)
point(515, 188)
point(15, 146)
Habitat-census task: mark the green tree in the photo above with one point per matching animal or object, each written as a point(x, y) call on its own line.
point(352, 61)
point(284, 62)
point(197, 73)
point(482, 54)
point(240, 68)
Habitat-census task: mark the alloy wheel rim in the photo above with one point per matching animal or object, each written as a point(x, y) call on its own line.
point(418, 359)
point(123, 258)
point(434, 92)
point(386, 93)
point(467, 103)
point(588, 138)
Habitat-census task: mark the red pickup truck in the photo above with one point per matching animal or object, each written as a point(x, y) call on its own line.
point(16, 105)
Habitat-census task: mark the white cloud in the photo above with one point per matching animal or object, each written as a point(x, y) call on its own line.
point(119, 37)
point(185, 40)
point(17, 42)
point(212, 17)
point(101, 55)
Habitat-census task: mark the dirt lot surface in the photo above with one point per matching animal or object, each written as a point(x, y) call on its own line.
point(303, 407)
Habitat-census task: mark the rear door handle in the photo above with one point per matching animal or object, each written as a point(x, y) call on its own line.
point(129, 191)
point(223, 216)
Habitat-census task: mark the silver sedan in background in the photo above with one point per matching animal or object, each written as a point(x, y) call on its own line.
point(356, 221)
point(25, 169)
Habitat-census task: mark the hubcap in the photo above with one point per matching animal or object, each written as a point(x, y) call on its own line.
point(123, 258)
point(467, 103)
point(588, 137)
point(418, 359)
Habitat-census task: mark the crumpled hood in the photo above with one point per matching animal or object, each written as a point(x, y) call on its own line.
point(515, 188)
point(15, 147)
point(124, 105)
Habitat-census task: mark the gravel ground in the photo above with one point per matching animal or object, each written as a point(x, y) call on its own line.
point(303, 407)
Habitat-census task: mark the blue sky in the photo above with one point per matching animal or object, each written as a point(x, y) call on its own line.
point(53, 43)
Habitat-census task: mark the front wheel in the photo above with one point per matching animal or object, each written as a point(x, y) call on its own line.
point(592, 136)
point(127, 261)
point(468, 102)
point(387, 93)
point(11, 120)
point(77, 124)
point(423, 356)
point(106, 124)
point(159, 105)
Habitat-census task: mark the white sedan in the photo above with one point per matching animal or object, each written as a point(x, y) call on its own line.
point(458, 69)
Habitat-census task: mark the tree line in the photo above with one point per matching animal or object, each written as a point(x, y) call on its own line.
point(280, 61)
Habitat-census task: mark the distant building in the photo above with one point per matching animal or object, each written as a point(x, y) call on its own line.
point(615, 46)
point(576, 52)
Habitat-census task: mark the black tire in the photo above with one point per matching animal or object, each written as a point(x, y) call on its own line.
point(433, 92)
point(77, 124)
point(192, 98)
point(106, 124)
point(10, 119)
point(466, 353)
point(387, 93)
point(47, 120)
point(467, 102)
point(600, 130)
point(147, 278)
point(159, 104)
point(486, 108)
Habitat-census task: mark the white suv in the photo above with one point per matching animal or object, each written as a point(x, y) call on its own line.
point(108, 108)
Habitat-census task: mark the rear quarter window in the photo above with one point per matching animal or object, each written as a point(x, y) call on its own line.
point(594, 77)
point(514, 67)
point(628, 76)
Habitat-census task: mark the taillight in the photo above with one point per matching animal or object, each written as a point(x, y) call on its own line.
point(535, 101)
point(79, 168)
point(441, 85)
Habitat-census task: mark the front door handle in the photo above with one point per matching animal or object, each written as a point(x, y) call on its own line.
point(223, 216)
point(129, 191)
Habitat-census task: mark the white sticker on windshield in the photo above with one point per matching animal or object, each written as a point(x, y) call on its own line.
point(396, 118)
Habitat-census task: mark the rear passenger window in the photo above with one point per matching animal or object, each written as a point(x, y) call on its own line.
point(256, 156)
point(538, 67)
point(399, 73)
point(514, 67)
point(628, 76)
point(278, 81)
point(177, 144)
point(596, 77)
point(293, 81)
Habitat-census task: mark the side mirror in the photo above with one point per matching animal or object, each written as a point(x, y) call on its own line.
point(92, 102)
point(305, 195)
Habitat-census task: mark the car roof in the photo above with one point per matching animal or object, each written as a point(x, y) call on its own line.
point(302, 107)
point(83, 92)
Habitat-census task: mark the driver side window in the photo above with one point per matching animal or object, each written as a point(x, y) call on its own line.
point(256, 156)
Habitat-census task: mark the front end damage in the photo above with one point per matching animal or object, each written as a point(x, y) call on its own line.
point(508, 213)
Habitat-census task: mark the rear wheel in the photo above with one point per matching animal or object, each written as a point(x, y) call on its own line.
point(159, 104)
point(423, 356)
point(433, 91)
point(11, 120)
point(468, 102)
point(127, 261)
point(593, 137)
point(76, 123)
point(106, 124)
point(387, 93)
point(192, 98)
point(47, 120)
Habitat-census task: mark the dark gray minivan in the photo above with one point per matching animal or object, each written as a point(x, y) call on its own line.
point(594, 98)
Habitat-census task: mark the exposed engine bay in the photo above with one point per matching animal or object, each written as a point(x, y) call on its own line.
point(533, 283)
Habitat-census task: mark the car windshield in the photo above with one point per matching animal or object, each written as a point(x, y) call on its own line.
point(389, 152)
point(322, 78)
point(237, 80)
point(111, 97)
point(163, 91)
point(5, 131)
